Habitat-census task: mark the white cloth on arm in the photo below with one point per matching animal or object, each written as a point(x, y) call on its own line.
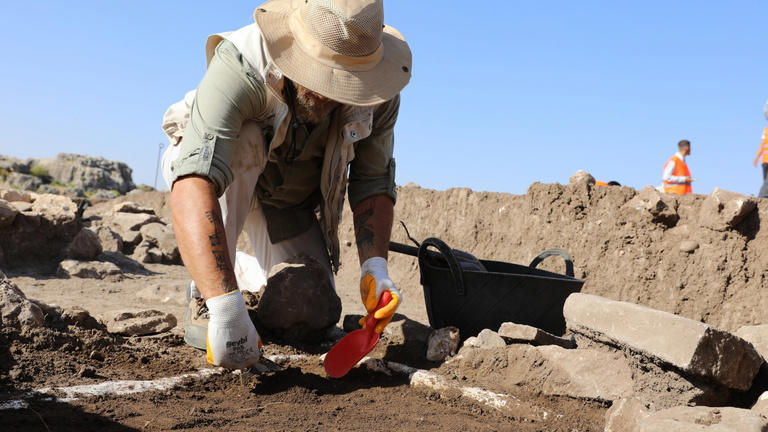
point(669, 168)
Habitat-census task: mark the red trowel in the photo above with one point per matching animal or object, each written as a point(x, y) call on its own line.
point(354, 346)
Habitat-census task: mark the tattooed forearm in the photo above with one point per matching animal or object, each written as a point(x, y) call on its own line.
point(364, 233)
point(218, 249)
point(373, 226)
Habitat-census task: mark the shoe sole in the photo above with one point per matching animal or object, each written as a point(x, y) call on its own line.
point(194, 335)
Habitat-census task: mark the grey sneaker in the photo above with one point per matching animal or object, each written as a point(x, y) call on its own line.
point(196, 322)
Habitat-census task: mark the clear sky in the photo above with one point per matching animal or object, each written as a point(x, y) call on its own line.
point(503, 94)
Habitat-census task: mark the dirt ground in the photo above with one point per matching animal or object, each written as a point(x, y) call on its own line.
point(301, 397)
point(620, 252)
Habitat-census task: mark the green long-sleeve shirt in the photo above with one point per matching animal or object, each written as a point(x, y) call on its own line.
point(232, 92)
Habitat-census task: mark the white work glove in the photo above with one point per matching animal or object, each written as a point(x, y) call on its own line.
point(232, 342)
point(374, 280)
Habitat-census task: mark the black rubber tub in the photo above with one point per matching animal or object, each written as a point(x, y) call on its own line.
point(473, 295)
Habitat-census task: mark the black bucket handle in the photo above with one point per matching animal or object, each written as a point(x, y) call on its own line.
point(450, 258)
point(555, 252)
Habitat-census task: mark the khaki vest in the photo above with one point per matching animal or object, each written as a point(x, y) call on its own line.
point(348, 125)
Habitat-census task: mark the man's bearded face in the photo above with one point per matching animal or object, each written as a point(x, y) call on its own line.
point(310, 106)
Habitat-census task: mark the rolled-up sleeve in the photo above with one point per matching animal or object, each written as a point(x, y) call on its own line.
point(230, 92)
point(372, 171)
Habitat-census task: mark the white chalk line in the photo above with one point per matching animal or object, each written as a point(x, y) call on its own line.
point(124, 387)
point(416, 378)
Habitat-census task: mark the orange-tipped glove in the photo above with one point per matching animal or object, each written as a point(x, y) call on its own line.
point(374, 280)
point(232, 342)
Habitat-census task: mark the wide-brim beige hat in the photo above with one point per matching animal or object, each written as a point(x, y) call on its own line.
point(344, 53)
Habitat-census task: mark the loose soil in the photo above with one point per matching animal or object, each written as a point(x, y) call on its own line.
point(621, 255)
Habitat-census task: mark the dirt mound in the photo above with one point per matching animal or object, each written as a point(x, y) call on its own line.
point(669, 259)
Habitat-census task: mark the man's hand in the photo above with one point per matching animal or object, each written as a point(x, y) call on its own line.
point(374, 280)
point(233, 342)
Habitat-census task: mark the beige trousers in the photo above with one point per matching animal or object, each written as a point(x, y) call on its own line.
point(241, 212)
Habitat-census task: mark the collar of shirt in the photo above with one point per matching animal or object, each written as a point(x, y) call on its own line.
point(680, 155)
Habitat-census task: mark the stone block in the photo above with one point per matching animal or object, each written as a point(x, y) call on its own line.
point(87, 269)
point(123, 223)
point(690, 346)
point(16, 310)
point(651, 205)
point(588, 374)
point(442, 343)
point(85, 246)
point(757, 335)
point(12, 195)
point(299, 302)
point(162, 237)
point(77, 316)
point(487, 339)
point(141, 323)
point(110, 240)
point(625, 414)
point(704, 419)
point(521, 333)
point(723, 209)
point(7, 214)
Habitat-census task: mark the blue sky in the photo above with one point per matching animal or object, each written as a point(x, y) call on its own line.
point(503, 94)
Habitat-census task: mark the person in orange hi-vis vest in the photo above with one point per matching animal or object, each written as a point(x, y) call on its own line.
point(763, 151)
point(676, 178)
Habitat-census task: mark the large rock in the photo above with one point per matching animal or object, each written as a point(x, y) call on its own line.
point(442, 343)
point(651, 205)
point(299, 302)
point(79, 317)
point(723, 209)
point(40, 235)
point(690, 346)
point(704, 419)
point(26, 182)
point(125, 222)
point(89, 173)
point(15, 310)
point(12, 164)
point(59, 210)
point(580, 177)
point(141, 323)
point(11, 195)
point(87, 269)
point(757, 335)
point(486, 339)
point(588, 374)
point(624, 415)
point(162, 237)
point(110, 240)
point(7, 213)
point(85, 246)
point(584, 373)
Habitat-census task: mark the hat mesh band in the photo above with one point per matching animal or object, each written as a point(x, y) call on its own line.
point(354, 37)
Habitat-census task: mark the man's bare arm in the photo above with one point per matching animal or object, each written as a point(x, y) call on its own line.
point(199, 230)
point(373, 226)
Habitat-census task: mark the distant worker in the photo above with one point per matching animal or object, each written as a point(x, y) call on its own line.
point(763, 151)
point(677, 177)
point(610, 183)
